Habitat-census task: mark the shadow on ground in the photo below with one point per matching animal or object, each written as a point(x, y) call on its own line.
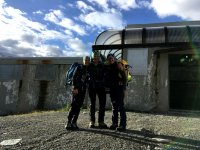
point(149, 139)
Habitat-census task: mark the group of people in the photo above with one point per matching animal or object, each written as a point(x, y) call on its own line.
point(97, 76)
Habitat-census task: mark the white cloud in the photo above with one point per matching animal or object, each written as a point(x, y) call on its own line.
point(2, 2)
point(76, 44)
point(38, 12)
point(101, 3)
point(120, 4)
point(84, 7)
point(68, 32)
point(57, 17)
point(103, 19)
point(61, 7)
point(25, 38)
point(69, 24)
point(15, 24)
point(125, 5)
point(182, 8)
point(144, 4)
point(50, 51)
point(70, 5)
point(79, 48)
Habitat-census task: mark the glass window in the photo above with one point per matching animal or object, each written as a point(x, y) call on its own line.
point(137, 58)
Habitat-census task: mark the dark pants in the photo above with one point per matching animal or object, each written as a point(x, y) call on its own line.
point(117, 100)
point(100, 92)
point(77, 102)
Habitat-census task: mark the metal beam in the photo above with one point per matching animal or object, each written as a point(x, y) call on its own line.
point(182, 23)
point(146, 45)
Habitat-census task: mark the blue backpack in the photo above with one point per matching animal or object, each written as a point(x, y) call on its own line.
point(70, 73)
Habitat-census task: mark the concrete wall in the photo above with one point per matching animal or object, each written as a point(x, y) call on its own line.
point(27, 84)
point(150, 91)
point(142, 90)
point(163, 82)
point(163, 79)
point(39, 86)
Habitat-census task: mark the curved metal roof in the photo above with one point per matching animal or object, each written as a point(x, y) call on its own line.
point(175, 34)
point(110, 37)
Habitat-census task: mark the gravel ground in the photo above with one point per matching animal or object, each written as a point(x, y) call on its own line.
point(145, 131)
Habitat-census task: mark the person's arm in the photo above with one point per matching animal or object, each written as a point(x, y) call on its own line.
point(124, 79)
point(76, 82)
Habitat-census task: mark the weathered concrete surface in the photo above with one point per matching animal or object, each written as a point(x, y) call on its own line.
point(172, 130)
point(9, 96)
point(41, 84)
point(142, 90)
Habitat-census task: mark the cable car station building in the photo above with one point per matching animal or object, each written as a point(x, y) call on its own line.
point(165, 64)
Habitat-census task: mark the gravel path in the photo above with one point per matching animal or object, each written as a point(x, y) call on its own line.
point(45, 130)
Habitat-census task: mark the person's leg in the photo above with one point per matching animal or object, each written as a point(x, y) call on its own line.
point(92, 95)
point(113, 96)
point(79, 103)
point(71, 112)
point(122, 110)
point(102, 104)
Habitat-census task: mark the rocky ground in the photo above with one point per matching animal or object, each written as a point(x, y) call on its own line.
point(45, 130)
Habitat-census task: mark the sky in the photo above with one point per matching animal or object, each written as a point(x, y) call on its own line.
point(68, 28)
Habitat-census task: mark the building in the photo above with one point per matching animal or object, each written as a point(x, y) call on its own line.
point(165, 61)
point(165, 64)
point(28, 84)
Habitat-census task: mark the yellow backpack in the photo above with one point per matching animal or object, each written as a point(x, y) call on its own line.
point(126, 68)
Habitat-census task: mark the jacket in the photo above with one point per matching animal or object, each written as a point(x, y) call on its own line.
point(80, 78)
point(96, 75)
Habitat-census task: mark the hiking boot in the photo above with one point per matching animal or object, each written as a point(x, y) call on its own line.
point(74, 126)
point(68, 126)
point(113, 127)
point(121, 128)
point(102, 125)
point(92, 124)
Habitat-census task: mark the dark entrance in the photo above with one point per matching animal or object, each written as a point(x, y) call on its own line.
point(184, 74)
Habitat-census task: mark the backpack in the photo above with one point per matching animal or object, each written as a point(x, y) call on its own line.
point(70, 73)
point(127, 69)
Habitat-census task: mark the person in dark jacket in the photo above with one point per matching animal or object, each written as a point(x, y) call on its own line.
point(118, 82)
point(78, 90)
point(96, 88)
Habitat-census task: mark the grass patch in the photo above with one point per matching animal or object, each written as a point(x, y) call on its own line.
point(66, 107)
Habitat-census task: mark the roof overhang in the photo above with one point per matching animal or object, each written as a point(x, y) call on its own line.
point(175, 35)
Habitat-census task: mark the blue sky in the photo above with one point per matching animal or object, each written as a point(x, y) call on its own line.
point(58, 28)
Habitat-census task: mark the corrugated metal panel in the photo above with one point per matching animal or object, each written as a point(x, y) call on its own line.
point(11, 72)
point(195, 33)
point(46, 72)
point(133, 36)
point(155, 35)
point(177, 34)
point(109, 38)
point(164, 24)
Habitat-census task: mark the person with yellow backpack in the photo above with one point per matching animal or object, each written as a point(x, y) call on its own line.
point(126, 67)
point(117, 82)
